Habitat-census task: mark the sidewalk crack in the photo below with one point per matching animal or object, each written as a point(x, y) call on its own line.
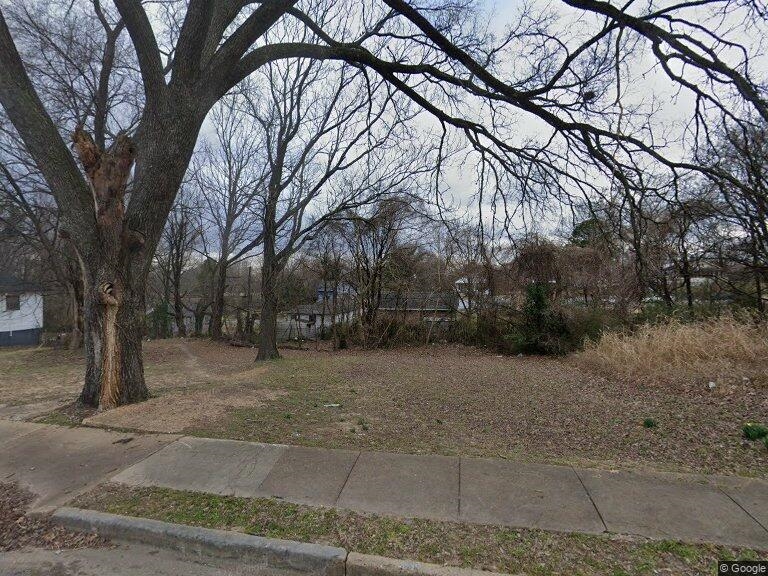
point(589, 495)
point(344, 484)
point(458, 511)
point(747, 512)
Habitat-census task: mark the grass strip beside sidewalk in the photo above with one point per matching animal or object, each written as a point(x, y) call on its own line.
point(533, 552)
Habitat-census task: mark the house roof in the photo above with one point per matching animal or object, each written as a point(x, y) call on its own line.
point(310, 309)
point(435, 301)
point(344, 304)
point(13, 284)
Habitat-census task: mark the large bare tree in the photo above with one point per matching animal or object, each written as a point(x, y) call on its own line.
point(440, 57)
point(229, 176)
point(333, 142)
point(174, 256)
point(78, 58)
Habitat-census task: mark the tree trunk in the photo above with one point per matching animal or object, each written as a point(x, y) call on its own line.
point(688, 291)
point(268, 326)
point(76, 311)
point(334, 329)
point(178, 313)
point(199, 315)
point(113, 283)
point(114, 326)
point(217, 309)
point(269, 270)
point(758, 279)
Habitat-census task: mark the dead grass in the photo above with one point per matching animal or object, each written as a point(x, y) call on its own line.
point(458, 400)
point(724, 351)
point(39, 374)
point(183, 410)
point(435, 399)
point(516, 551)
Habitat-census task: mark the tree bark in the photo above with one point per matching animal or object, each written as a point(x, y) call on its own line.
point(114, 327)
point(268, 327)
point(269, 271)
point(113, 291)
point(217, 308)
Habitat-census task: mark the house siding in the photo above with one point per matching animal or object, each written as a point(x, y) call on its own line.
point(23, 326)
point(21, 337)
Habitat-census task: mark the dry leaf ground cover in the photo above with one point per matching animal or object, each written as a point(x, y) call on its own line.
point(436, 399)
point(532, 552)
point(20, 531)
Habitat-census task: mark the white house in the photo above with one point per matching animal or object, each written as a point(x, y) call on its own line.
point(314, 319)
point(21, 312)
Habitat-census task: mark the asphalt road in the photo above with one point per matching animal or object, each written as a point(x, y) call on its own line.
point(123, 560)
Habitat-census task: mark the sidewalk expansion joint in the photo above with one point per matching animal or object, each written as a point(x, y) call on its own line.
point(346, 480)
point(747, 512)
point(594, 505)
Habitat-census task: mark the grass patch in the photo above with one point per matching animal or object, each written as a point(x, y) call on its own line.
point(533, 552)
point(67, 415)
point(754, 431)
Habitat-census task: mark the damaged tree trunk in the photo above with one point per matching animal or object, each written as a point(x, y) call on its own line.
point(113, 297)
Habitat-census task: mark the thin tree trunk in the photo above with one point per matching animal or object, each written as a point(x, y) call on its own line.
point(268, 328)
point(217, 309)
point(688, 290)
point(269, 271)
point(334, 329)
point(178, 313)
point(758, 279)
point(665, 293)
point(76, 319)
point(199, 315)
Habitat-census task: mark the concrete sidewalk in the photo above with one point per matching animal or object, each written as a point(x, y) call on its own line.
point(59, 462)
point(725, 510)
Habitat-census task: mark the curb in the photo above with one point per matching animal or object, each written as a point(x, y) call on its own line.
point(267, 552)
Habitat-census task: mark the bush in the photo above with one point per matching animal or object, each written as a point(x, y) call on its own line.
point(388, 332)
point(465, 331)
point(587, 324)
point(159, 321)
point(541, 328)
point(724, 349)
point(754, 431)
point(650, 423)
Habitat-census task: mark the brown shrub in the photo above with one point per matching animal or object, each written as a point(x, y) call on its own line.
point(718, 350)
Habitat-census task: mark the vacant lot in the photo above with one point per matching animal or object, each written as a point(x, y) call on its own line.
point(439, 399)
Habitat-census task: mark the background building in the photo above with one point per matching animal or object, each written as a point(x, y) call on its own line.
point(21, 312)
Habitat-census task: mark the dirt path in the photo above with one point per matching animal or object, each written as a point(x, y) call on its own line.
point(198, 396)
point(193, 362)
